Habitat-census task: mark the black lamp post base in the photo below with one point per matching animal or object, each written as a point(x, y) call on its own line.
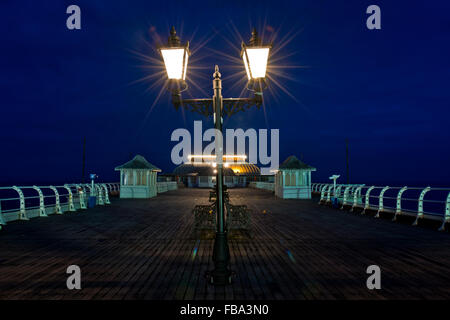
point(221, 275)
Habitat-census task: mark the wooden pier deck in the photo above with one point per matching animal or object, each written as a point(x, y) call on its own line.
point(142, 249)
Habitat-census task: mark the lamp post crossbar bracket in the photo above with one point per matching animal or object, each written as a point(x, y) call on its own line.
point(230, 105)
point(201, 106)
point(234, 105)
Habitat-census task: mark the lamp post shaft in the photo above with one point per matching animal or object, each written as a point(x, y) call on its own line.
point(221, 254)
point(217, 105)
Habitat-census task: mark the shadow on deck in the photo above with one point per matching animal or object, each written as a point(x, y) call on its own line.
point(143, 249)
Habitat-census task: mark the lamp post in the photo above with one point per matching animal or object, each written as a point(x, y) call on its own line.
point(255, 56)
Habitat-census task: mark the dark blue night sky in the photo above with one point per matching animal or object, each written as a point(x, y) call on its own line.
point(386, 91)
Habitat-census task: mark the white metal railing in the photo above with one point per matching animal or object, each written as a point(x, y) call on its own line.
point(429, 202)
point(25, 202)
point(166, 186)
point(262, 185)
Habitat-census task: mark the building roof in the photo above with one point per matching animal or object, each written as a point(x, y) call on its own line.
point(200, 169)
point(245, 169)
point(292, 162)
point(138, 162)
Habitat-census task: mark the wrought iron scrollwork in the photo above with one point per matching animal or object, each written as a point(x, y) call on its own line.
point(201, 106)
point(235, 105)
point(205, 106)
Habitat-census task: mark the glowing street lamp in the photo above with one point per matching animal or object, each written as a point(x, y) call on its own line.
point(175, 57)
point(255, 56)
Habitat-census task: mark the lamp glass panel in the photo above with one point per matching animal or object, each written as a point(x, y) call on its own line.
point(257, 58)
point(173, 60)
point(244, 57)
point(186, 57)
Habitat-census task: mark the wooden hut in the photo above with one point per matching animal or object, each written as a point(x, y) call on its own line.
point(138, 178)
point(293, 179)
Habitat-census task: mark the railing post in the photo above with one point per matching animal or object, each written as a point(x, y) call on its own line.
point(338, 191)
point(367, 204)
point(355, 198)
point(71, 206)
point(346, 192)
point(42, 212)
point(420, 207)
point(85, 190)
point(99, 194)
point(91, 190)
point(81, 196)
point(350, 191)
point(322, 194)
point(398, 209)
point(380, 203)
point(106, 194)
point(2, 221)
point(22, 212)
point(446, 216)
point(329, 193)
point(57, 203)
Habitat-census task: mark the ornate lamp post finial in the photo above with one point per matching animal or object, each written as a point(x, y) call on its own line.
point(254, 40)
point(174, 40)
point(216, 74)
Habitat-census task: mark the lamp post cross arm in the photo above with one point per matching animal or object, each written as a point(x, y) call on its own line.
point(230, 105)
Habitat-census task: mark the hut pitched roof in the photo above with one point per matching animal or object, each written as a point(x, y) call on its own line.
point(138, 162)
point(292, 162)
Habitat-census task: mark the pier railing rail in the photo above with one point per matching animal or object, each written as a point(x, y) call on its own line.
point(262, 185)
point(421, 203)
point(26, 202)
point(164, 186)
